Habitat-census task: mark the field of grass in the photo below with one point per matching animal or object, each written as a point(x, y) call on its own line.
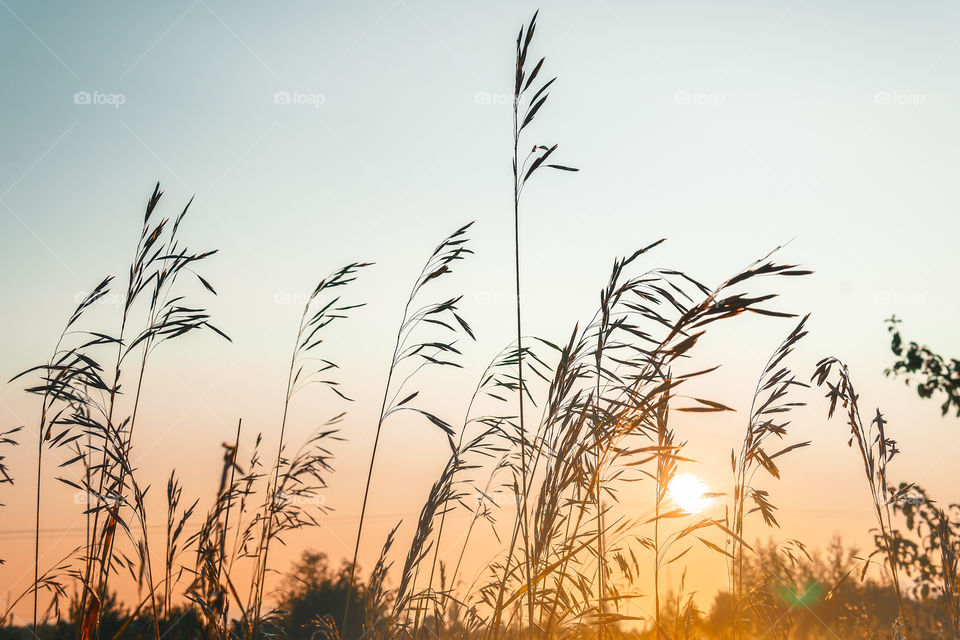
point(561, 427)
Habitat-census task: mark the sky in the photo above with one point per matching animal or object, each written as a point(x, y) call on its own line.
point(317, 133)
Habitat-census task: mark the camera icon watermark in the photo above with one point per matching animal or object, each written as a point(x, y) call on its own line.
point(299, 98)
point(99, 98)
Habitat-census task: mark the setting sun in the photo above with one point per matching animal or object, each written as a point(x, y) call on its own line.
point(690, 493)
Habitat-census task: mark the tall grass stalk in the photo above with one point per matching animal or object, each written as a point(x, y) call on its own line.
point(62, 372)
point(78, 402)
point(496, 378)
point(876, 450)
point(159, 261)
point(314, 319)
point(768, 411)
point(524, 78)
point(417, 352)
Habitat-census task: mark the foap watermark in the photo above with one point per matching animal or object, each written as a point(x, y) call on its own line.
point(899, 299)
point(299, 98)
point(298, 298)
point(496, 298)
point(492, 97)
point(499, 498)
point(911, 499)
point(91, 499)
point(300, 499)
point(699, 99)
point(899, 99)
point(108, 299)
point(99, 98)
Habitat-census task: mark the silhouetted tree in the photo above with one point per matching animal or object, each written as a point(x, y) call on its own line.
point(312, 592)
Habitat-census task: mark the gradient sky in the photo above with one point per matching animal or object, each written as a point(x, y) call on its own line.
point(728, 128)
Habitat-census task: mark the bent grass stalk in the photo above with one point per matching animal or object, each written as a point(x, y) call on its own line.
point(309, 337)
point(418, 353)
point(768, 411)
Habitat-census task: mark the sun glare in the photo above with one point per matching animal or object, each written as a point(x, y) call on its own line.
point(689, 492)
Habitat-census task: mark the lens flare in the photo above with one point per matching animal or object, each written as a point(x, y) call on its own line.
point(793, 596)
